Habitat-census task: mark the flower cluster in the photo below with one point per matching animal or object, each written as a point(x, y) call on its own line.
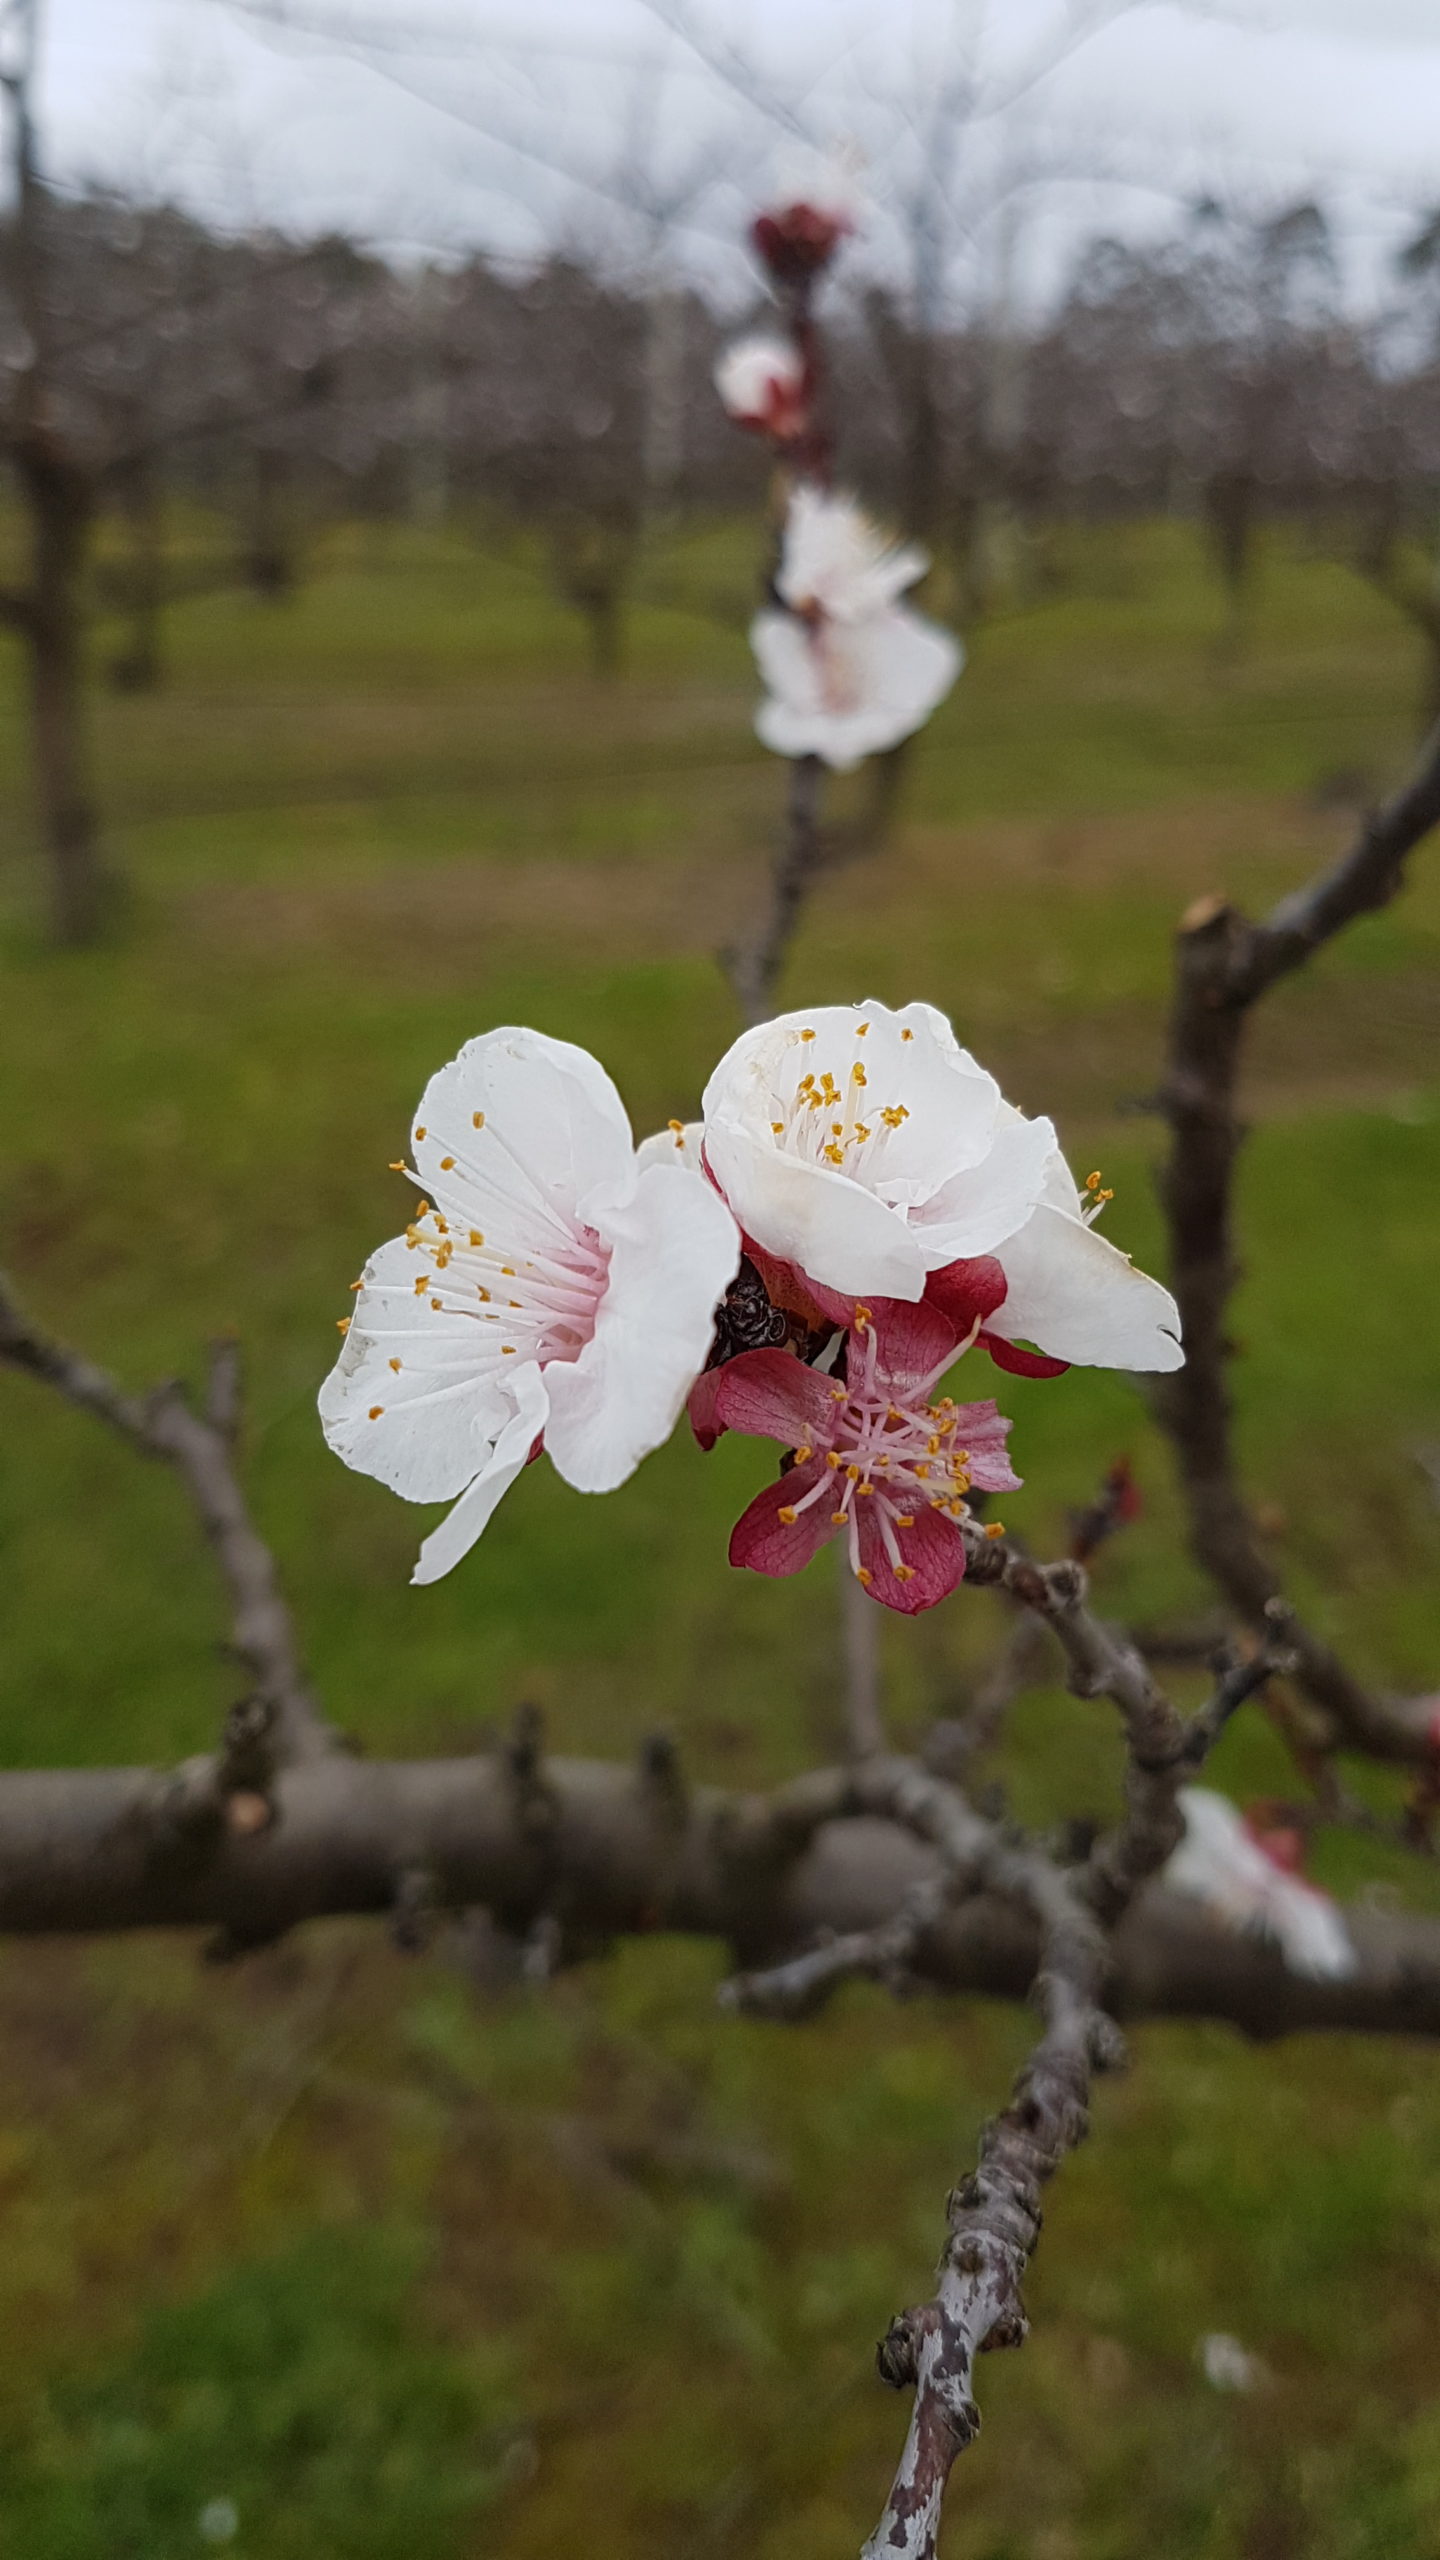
point(857, 1208)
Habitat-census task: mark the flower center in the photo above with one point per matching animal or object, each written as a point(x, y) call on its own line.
point(535, 1288)
point(832, 1122)
point(898, 1457)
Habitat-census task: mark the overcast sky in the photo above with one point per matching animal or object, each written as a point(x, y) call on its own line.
point(492, 122)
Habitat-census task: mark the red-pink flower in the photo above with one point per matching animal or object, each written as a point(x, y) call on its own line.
point(875, 1461)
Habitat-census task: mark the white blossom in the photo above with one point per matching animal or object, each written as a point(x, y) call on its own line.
point(551, 1286)
point(1222, 1863)
point(761, 382)
point(849, 669)
point(868, 1149)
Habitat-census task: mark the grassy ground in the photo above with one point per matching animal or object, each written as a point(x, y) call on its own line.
point(317, 2244)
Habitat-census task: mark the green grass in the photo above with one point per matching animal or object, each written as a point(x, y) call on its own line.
point(391, 2271)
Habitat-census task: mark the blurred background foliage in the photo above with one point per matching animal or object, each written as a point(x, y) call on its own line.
point(323, 2252)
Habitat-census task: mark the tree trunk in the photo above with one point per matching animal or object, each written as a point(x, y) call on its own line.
point(59, 504)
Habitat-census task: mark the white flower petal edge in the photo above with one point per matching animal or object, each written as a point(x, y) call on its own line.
point(1220, 1864)
point(1077, 1297)
point(868, 1147)
point(844, 691)
point(519, 1269)
point(835, 562)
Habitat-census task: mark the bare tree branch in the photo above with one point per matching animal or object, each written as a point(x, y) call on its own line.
point(164, 1425)
point(1224, 963)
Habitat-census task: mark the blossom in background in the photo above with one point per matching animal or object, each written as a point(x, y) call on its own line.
point(763, 384)
point(874, 1461)
point(814, 206)
point(865, 1154)
point(850, 670)
point(551, 1287)
point(1245, 1874)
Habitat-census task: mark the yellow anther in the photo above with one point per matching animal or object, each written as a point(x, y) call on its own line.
point(803, 1452)
point(375, 1412)
point(807, 1035)
point(860, 1030)
point(475, 1236)
point(401, 1167)
point(507, 1270)
point(834, 1154)
point(857, 1074)
point(832, 1456)
point(838, 1394)
point(837, 1128)
point(860, 1130)
point(907, 1035)
point(904, 1519)
point(477, 1119)
point(922, 1467)
point(485, 1294)
point(517, 1304)
point(788, 1514)
point(509, 1349)
point(674, 1124)
point(1092, 1181)
point(435, 1303)
point(354, 1285)
point(893, 1113)
point(867, 1487)
point(838, 1519)
point(419, 1133)
point(994, 1528)
point(422, 1284)
point(904, 1573)
point(395, 1365)
point(933, 1444)
point(853, 1473)
point(779, 1128)
point(342, 1324)
point(862, 1574)
point(447, 1164)
point(1106, 1195)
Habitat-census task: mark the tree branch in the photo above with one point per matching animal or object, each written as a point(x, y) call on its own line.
point(1224, 964)
point(164, 1425)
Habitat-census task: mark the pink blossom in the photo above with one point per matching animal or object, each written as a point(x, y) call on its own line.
point(874, 1459)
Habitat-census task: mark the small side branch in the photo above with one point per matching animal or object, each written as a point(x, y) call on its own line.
point(200, 1449)
point(755, 971)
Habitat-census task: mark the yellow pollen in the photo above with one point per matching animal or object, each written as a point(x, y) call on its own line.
point(1092, 1181)
point(803, 1452)
point(994, 1528)
point(853, 1473)
point(907, 1035)
point(933, 1444)
point(483, 1293)
point(477, 1119)
point(354, 1285)
point(837, 1128)
point(838, 1519)
point(807, 1035)
point(862, 1574)
point(419, 1133)
point(422, 1284)
point(904, 1573)
point(922, 1467)
point(860, 1030)
point(832, 1456)
point(435, 1303)
point(864, 1488)
point(779, 1128)
point(395, 1365)
point(788, 1514)
point(674, 1124)
point(835, 1155)
point(1105, 1195)
point(375, 1412)
point(342, 1324)
point(838, 1395)
point(857, 1074)
point(507, 1270)
point(509, 1349)
point(401, 1167)
point(861, 1131)
point(447, 1164)
point(904, 1519)
point(893, 1113)
point(516, 1303)
point(475, 1236)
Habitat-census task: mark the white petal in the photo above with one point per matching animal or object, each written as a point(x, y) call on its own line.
point(858, 689)
point(835, 557)
point(809, 1214)
point(980, 1206)
point(674, 1251)
point(1075, 1296)
point(551, 1126)
point(458, 1532)
point(422, 1429)
point(673, 1146)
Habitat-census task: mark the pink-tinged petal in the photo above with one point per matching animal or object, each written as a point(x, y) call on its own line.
point(967, 1289)
point(932, 1549)
point(1020, 1363)
point(981, 1432)
point(705, 1419)
point(911, 1340)
point(772, 1395)
point(767, 1543)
